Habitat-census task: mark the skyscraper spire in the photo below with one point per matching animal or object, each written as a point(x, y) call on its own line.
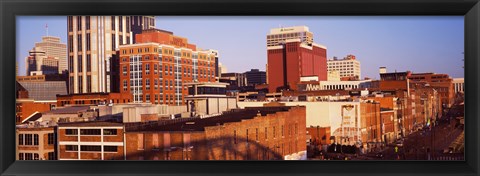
point(46, 28)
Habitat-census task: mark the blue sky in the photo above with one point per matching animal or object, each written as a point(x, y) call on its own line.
point(418, 44)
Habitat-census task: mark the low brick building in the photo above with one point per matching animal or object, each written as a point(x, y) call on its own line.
point(93, 98)
point(35, 142)
point(90, 141)
point(263, 133)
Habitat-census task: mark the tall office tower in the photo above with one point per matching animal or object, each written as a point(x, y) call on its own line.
point(92, 43)
point(53, 48)
point(140, 23)
point(38, 63)
point(348, 67)
point(291, 55)
point(156, 68)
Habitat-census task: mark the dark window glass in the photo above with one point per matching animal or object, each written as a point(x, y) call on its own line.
point(109, 131)
point(20, 139)
point(71, 131)
point(51, 138)
point(110, 148)
point(90, 131)
point(71, 148)
point(92, 148)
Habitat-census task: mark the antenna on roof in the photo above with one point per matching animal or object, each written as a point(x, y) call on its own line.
point(46, 28)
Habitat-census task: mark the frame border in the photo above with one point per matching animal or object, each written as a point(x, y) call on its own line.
point(9, 9)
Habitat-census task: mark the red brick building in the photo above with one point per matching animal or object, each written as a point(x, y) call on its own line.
point(93, 98)
point(319, 135)
point(440, 82)
point(156, 67)
point(292, 60)
point(90, 141)
point(264, 133)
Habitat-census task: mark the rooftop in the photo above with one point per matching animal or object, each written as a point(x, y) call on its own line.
point(47, 90)
point(69, 110)
point(198, 124)
point(89, 124)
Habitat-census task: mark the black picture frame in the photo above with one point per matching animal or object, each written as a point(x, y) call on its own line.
point(470, 9)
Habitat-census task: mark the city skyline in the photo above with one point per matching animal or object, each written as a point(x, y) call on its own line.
point(241, 41)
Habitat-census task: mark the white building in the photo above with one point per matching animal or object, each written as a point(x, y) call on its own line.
point(336, 85)
point(92, 42)
point(348, 66)
point(278, 36)
point(39, 63)
point(52, 47)
point(459, 85)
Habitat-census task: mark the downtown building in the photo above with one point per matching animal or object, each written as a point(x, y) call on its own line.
point(156, 68)
point(262, 133)
point(92, 45)
point(54, 48)
point(39, 63)
point(256, 77)
point(348, 67)
point(291, 55)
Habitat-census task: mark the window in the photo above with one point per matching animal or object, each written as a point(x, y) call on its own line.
point(51, 138)
point(36, 156)
point(88, 40)
point(89, 63)
point(71, 132)
point(109, 131)
point(80, 66)
point(28, 156)
point(282, 131)
point(79, 23)
point(20, 156)
point(28, 139)
point(70, 23)
point(235, 136)
point(120, 23)
point(20, 139)
point(110, 148)
point(51, 156)
point(266, 133)
point(256, 134)
point(90, 148)
point(113, 42)
point(71, 148)
point(79, 41)
point(90, 131)
point(147, 69)
point(274, 132)
point(89, 83)
point(124, 69)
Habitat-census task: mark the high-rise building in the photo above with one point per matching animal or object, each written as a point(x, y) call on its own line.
point(54, 48)
point(140, 23)
point(38, 63)
point(291, 55)
point(156, 68)
point(255, 77)
point(92, 43)
point(347, 67)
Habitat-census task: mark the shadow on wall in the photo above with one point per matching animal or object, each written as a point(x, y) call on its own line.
point(222, 148)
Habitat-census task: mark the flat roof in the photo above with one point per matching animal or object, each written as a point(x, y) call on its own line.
point(198, 124)
point(89, 124)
